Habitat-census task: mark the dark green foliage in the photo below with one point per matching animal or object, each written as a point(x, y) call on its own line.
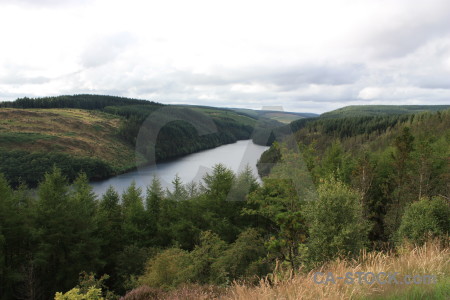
point(280, 202)
point(16, 235)
point(110, 222)
point(243, 258)
point(203, 257)
point(268, 159)
point(75, 101)
point(22, 166)
point(392, 160)
point(381, 110)
point(65, 228)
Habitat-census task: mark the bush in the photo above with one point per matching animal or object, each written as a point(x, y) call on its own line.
point(143, 293)
point(423, 219)
point(336, 225)
point(76, 294)
point(166, 269)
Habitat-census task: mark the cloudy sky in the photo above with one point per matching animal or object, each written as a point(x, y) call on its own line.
point(309, 56)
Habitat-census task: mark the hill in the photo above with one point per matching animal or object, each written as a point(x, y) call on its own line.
point(102, 134)
point(380, 110)
point(31, 140)
point(281, 116)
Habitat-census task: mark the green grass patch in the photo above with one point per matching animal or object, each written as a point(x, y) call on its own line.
point(70, 134)
point(438, 291)
point(23, 137)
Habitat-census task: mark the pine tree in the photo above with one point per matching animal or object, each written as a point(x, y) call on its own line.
point(153, 204)
point(110, 220)
point(135, 222)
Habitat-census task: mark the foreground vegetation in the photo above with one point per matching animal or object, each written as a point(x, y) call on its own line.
point(340, 195)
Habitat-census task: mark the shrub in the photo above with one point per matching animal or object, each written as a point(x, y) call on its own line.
point(166, 269)
point(77, 294)
point(143, 293)
point(336, 225)
point(425, 218)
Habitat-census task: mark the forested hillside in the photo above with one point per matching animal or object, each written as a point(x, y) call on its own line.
point(393, 160)
point(381, 110)
point(32, 140)
point(335, 188)
point(100, 134)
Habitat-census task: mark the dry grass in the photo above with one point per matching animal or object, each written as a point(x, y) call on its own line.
point(432, 258)
point(77, 132)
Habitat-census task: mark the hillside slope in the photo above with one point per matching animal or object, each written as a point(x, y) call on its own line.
point(33, 140)
point(76, 132)
point(380, 110)
point(101, 135)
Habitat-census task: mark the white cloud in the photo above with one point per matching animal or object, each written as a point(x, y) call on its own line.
point(314, 55)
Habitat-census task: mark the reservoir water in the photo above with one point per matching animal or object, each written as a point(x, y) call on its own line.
point(189, 168)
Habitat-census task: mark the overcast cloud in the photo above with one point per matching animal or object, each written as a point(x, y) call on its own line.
point(309, 56)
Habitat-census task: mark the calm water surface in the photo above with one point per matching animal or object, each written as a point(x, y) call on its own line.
point(190, 168)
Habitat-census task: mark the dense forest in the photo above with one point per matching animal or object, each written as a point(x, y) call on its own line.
point(335, 187)
point(381, 110)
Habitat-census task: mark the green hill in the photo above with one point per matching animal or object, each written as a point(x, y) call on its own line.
point(281, 116)
point(377, 110)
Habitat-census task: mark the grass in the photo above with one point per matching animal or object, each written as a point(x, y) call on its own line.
point(431, 258)
point(225, 114)
point(22, 137)
point(283, 117)
point(77, 132)
point(441, 291)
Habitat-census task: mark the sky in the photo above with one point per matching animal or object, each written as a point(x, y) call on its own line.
point(305, 56)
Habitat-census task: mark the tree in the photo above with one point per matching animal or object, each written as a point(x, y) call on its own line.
point(335, 222)
point(336, 163)
point(243, 258)
point(219, 182)
point(66, 244)
point(280, 202)
point(135, 224)
point(179, 192)
point(167, 269)
point(110, 220)
point(423, 219)
point(403, 193)
point(86, 248)
point(154, 201)
point(204, 256)
point(243, 184)
point(16, 239)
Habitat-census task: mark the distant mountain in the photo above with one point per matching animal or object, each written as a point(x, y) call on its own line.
point(285, 117)
point(380, 110)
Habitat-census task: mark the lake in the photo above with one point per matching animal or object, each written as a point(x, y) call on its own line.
point(189, 168)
